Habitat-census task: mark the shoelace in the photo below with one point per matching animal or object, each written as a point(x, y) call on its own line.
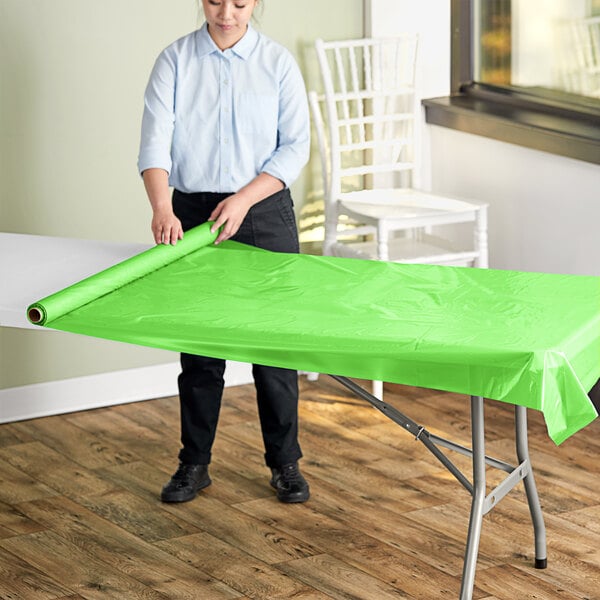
point(290, 474)
point(182, 472)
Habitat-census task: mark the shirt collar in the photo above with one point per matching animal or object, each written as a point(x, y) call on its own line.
point(243, 48)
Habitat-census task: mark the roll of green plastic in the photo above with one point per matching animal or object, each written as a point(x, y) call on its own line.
point(116, 277)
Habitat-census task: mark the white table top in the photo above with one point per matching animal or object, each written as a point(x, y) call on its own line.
point(34, 266)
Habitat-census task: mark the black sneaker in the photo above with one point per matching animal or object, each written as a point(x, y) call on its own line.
point(290, 484)
point(187, 481)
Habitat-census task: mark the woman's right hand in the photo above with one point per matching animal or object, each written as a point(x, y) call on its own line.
point(166, 227)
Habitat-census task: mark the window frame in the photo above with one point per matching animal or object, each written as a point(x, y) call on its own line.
point(549, 120)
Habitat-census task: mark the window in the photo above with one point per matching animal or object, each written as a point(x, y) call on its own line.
point(528, 43)
point(526, 72)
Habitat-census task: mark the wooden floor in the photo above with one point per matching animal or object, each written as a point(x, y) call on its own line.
point(80, 515)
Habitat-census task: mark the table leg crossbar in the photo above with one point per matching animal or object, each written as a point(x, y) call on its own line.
point(482, 502)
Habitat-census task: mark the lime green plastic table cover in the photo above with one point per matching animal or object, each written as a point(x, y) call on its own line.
point(530, 339)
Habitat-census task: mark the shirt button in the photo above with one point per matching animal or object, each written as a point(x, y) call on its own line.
point(225, 81)
point(226, 169)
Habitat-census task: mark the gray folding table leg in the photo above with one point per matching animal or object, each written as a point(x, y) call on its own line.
point(478, 504)
point(481, 503)
point(479, 494)
point(533, 500)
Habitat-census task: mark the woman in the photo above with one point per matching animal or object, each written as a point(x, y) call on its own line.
point(226, 125)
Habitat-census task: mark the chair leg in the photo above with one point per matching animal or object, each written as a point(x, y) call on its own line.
point(377, 387)
point(382, 241)
point(481, 239)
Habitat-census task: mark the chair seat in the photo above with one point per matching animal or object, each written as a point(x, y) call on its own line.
point(428, 250)
point(409, 207)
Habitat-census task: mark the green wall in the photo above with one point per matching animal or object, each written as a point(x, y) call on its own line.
point(72, 76)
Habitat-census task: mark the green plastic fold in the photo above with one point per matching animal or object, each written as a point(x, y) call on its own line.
point(530, 339)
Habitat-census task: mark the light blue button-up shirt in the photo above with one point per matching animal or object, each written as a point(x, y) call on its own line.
point(216, 119)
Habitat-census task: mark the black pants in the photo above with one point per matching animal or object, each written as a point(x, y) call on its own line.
point(270, 225)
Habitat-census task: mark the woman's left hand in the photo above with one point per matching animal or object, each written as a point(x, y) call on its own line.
point(229, 213)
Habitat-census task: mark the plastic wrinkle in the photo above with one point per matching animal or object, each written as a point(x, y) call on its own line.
point(530, 339)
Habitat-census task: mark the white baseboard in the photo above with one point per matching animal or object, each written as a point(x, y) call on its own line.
point(105, 389)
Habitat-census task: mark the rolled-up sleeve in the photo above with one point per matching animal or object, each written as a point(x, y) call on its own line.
point(159, 116)
point(293, 128)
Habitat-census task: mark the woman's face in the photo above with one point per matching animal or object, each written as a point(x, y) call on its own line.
point(228, 20)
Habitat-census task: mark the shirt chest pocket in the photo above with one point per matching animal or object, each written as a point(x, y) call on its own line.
point(257, 113)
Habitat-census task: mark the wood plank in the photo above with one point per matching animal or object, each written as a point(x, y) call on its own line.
point(236, 568)
point(440, 487)
point(4, 532)
point(115, 428)
point(387, 562)
point(126, 553)
point(562, 470)
point(342, 461)
point(146, 520)
point(82, 573)
point(566, 572)
point(512, 516)
point(508, 582)
point(84, 448)
point(339, 406)
point(454, 520)
point(363, 450)
point(10, 435)
point(396, 496)
point(19, 579)
point(587, 517)
point(146, 480)
point(39, 462)
point(585, 448)
point(384, 516)
point(146, 415)
point(14, 522)
point(340, 580)
point(236, 528)
point(215, 517)
point(438, 412)
point(16, 485)
point(232, 487)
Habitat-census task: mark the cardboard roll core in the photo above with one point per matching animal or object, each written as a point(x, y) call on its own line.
point(35, 315)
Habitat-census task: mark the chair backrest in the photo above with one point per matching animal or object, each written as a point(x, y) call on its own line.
point(586, 35)
point(316, 104)
point(579, 52)
point(370, 108)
